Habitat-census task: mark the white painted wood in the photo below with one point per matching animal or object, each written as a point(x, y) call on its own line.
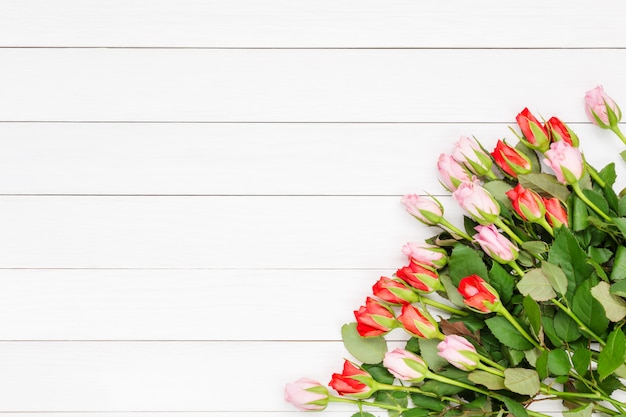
point(245, 159)
point(311, 23)
point(301, 85)
point(207, 232)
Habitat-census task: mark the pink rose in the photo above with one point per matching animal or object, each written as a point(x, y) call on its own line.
point(452, 173)
point(477, 202)
point(306, 395)
point(459, 352)
point(566, 161)
point(495, 245)
point(469, 153)
point(427, 210)
point(425, 254)
point(405, 365)
point(601, 109)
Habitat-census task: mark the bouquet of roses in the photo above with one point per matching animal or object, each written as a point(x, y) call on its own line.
point(532, 288)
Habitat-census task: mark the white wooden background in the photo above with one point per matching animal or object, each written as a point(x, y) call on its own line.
point(195, 194)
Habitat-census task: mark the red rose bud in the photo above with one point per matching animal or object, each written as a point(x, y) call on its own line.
point(425, 254)
point(510, 160)
point(452, 173)
point(601, 108)
point(556, 215)
point(306, 395)
point(535, 134)
point(353, 381)
point(394, 291)
point(479, 295)
point(477, 202)
point(420, 277)
point(374, 319)
point(470, 154)
point(427, 210)
point(560, 131)
point(419, 322)
point(527, 203)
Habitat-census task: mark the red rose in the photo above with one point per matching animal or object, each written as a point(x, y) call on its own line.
point(345, 383)
point(556, 215)
point(527, 203)
point(478, 294)
point(419, 277)
point(418, 323)
point(535, 134)
point(510, 160)
point(374, 319)
point(393, 291)
point(559, 131)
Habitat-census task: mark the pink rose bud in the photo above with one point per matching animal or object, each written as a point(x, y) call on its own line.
point(527, 203)
point(471, 155)
point(566, 161)
point(374, 319)
point(394, 291)
point(601, 108)
point(510, 160)
point(306, 395)
point(560, 131)
point(419, 322)
point(422, 278)
point(535, 134)
point(405, 365)
point(495, 245)
point(425, 254)
point(459, 352)
point(477, 202)
point(427, 210)
point(479, 295)
point(556, 215)
point(452, 173)
point(353, 381)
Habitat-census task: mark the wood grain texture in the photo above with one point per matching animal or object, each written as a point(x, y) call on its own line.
point(311, 23)
point(300, 85)
point(245, 159)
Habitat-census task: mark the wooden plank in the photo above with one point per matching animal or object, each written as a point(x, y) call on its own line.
point(179, 376)
point(300, 85)
point(243, 159)
point(312, 23)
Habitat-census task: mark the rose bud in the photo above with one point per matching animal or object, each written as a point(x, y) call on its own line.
point(425, 254)
point(535, 134)
point(427, 210)
point(353, 381)
point(471, 155)
point(419, 323)
point(479, 295)
point(477, 202)
point(527, 204)
point(510, 160)
point(420, 277)
point(374, 319)
point(560, 131)
point(556, 215)
point(601, 108)
point(393, 291)
point(459, 352)
point(495, 245)
point(452, 173)
point(306, 395)
point(405, 365)
point(566, 161)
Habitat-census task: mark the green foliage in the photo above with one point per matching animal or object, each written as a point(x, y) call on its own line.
point(536, 285)
point(514, 407)
point(581, 359)
point(568, 255)
point(613, 354)
point(379, 373)
point(588, 309)
point(558, 362)
point(466, 261)
point(544, 184)
point(429, 403)
point(502, 281)
point(507, 334)
point(429, 352)
point(522, 381)
point(394, 398)
point(565, 328)
point(365, 349)
point(489, 380)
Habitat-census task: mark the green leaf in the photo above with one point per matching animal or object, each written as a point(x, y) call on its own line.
point(498, 190)
point(544, 184)
point(541, 366)
point(565, 328)
point(430, 403)
point(430, 354)
point(548, 328)
point(514, 356)
point(620, 222)
point(502, 281)
point(610, 384)
point(451, 290)
point(567, 254)
point(522, 381)
point(466, 261)
point(365, 349)
point(412, 345)
point(416, 412)
point(581, 359)
point(579, 214)
point(533, 312)
point(394, 398)
point(536, 247)
point(623, 154)
point(536, 285)
point(589, 310)
point(514, 407)
point(440, 388)
point(362, 414)
point(621, 210)
point(491, 381)
point(618, 271)
point(613, 354)
point(556, 276)
point(600, 255)
point(608, 174)
point(597, 199)
point(584, 411)
point(614, 307)
point(619, 288)
point(507, 334)
point(379, 373)
point(558, 362)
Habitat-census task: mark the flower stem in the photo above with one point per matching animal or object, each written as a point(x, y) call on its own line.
point(443, 222)
point(517, 268)
point(485, 368)
point(619, 133)
point(508, 231)
point(503, 311)
point(580, 324)
point(492, 363)
point(588, 202)
point(594, 175)
point(417, 391)
point(362, 402)
point(442, 306)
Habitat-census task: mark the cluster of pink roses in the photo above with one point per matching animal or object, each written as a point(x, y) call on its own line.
point(400, 302)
